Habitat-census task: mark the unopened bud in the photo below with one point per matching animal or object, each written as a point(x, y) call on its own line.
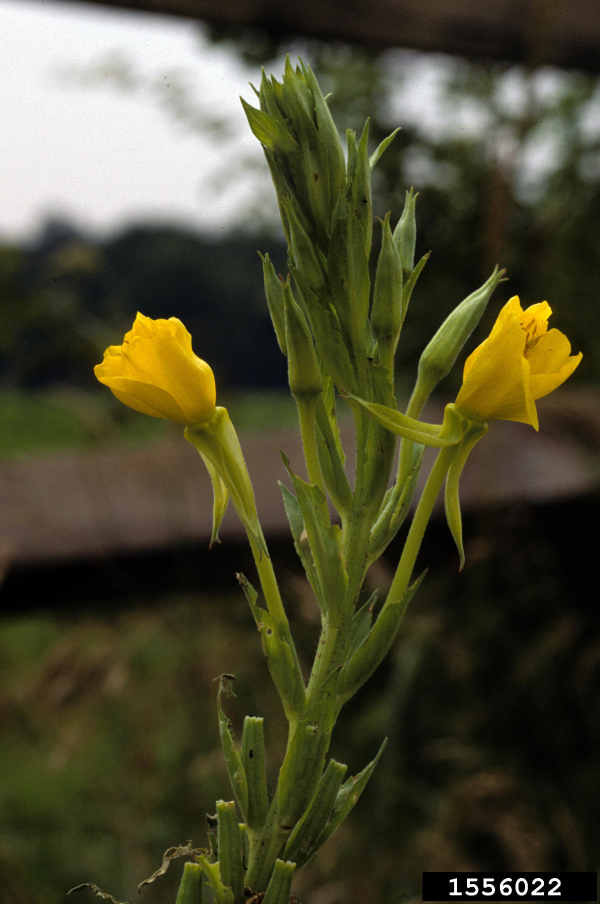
point(304, 372)
point(405, 234)
point(386, 314)
point(443, 350)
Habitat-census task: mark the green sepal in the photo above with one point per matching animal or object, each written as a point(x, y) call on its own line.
point(217, 441)
point(269, 131)
point(294, 515)
point(230, 849)
point(233, 760)
point(395, 508)
point(332, 466)
point(372, 651)
point(325, 541)
point(220, 498)
point(452, 501)
point(387, 310)
point(411, 282)
point(448, 433)
point(190, 888)
point(274, 294)
point(305, 757)
point(405, 233)
point(278, 653)
point(347, 796)
point(222, 894)
point(253, 759)
point(304, 372)
point(280, 883)
point(317, 814)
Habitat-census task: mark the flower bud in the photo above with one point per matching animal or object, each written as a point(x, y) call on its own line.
point(304, 372)
point(442, 351)
point(386, 314)
point(190, 890)
point(405, 234)
point(156, 372)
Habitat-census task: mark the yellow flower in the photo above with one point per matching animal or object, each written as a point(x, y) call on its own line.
point(519, 362)
point(156, 372)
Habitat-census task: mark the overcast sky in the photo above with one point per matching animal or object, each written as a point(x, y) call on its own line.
point(84, 131)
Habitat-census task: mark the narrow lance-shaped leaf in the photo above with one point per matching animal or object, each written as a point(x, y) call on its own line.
point(253, 758)
point(222, 894)
point(317, 814)
point(233, 760)
point(378, 153)
point(230, 849)
point(280, 883)
point(274, 294)
point(280, 660)
point(268, 130)
point(190, 889)
point(220, 497)
point(305, 756)
point(296, 520)
point(347, 797)
point(331, 462)
point(371, 653)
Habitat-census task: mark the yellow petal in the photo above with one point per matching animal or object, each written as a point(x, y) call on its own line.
point(146, 398)
point(542, 384)
point(496, 385)
point(511, 309)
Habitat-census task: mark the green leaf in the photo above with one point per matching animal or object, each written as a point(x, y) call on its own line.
point(280, 883)
point(411, 282)
point(230, 849)
point(269, 131)
point(372, 651)
point(395, 508)
point(253, 758)
point(233, 760)
point(303, 764)
point(361, 625)
point(190, 888)
point(222, 893)
point(317, 814)
point(279, 656)
point(294, 514)
point(377, 154)
point(331, 463)
point(347, 797)
point(325, 541)
point(274, 295)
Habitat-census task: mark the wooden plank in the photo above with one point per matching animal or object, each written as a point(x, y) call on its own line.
point(119, 500)
point(558, 32)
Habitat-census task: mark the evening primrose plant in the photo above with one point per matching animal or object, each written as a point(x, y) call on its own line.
point(339, 330)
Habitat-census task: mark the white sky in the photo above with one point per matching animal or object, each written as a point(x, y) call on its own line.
point(87, 130)
point(99, 155)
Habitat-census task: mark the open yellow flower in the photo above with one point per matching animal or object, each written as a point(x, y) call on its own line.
point(519, 362)
point(156, 372)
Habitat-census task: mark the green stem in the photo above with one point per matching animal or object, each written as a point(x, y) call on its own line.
point(307, 408)
point(419, 523)
point(417, 401)
point(270, 589)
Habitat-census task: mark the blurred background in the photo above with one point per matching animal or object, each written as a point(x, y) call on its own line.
point(130, 181)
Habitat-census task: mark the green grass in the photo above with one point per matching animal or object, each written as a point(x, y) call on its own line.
point(32, 423)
